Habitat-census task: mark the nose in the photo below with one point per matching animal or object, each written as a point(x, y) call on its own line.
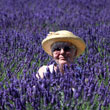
point(62, 51)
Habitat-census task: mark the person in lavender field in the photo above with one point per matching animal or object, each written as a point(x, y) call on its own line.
point(64, 47)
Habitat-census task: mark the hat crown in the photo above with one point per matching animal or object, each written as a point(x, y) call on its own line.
point(62, 33)
point(52, 33)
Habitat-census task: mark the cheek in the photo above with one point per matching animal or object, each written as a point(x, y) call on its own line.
point(70, 55)
point(55, 55)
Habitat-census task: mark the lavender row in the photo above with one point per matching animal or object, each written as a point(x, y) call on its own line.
point(73, 90)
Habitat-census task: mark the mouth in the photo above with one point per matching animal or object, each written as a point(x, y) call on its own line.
point(63, 58)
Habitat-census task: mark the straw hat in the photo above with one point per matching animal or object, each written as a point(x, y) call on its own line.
point(65, 36)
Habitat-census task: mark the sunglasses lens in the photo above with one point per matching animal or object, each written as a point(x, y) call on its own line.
point(64, 48)
point(57, 49)
point(67, 49)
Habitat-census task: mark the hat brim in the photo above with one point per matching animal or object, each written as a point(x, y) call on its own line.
point(78, 42)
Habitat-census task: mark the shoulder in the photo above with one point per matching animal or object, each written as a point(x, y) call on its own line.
point(41, 71)
point(42, 68)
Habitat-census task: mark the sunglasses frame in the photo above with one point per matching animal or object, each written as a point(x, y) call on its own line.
point(62, 45)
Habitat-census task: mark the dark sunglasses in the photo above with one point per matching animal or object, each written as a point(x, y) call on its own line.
point(66, 48)
point(62, 45)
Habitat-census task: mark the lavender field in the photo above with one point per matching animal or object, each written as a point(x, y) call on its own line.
point(23, 25)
